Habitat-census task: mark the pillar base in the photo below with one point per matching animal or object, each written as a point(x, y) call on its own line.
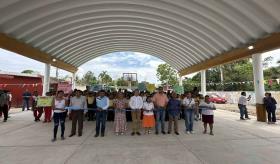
point(261, 112)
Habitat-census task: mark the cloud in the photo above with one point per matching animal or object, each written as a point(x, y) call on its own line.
point(125, 62)
point(115, 63)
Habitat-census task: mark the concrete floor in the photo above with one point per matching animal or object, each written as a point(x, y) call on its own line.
point(22, 141)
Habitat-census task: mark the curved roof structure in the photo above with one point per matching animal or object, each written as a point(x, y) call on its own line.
point(183, 33)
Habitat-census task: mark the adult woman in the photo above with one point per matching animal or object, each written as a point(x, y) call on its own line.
point(207, 114)
point(59, 114)
point(120, 104)
point(91, 103)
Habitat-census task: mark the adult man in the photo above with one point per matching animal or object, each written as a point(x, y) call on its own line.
point(242, 102)
point(4, 101)
point(136, 104)
point(160, 100)
point(26, 96)
point(173, 108)
point(189, 111)
point(78, 106)
point(102, 103)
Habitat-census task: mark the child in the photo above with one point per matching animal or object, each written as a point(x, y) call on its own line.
point(148, 119)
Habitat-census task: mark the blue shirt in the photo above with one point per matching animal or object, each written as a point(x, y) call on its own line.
point(174, 107)
point(102, 102)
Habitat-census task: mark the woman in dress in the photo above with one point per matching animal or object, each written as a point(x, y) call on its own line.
point(120, 104)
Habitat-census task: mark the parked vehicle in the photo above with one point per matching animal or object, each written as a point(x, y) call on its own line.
point(217, 99)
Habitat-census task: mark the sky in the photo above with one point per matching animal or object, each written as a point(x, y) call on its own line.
point(115, 63)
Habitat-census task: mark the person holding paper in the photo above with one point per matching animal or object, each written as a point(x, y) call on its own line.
point(78, 105)
point(59, 114)
point(102, 103)
point(37, 111)
point(207, 114)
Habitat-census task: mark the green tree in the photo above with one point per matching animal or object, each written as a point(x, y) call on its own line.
point(167, 75)
point(89, 78)
point(104, 77)
point(28, 71)
point(121, 82)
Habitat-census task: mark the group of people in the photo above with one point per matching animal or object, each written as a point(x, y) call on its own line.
point(152, 108)
point(269, 104)
point(147, 111)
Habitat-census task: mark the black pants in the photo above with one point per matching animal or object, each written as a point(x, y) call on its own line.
point(77, 116)
point(271, 116)
point(59, 118)
point(5, 110)
point(91, 114)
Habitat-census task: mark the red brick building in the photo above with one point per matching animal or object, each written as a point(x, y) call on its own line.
point(17, 83)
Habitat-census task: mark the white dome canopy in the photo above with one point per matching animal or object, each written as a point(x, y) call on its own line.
point(183, 33)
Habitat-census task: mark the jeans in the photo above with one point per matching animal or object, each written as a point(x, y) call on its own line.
point(59, 118)
point(189, 117)
point(271, 116)
point(25, 104)
point(160, 119)
point(101, 117)
point(243, 111)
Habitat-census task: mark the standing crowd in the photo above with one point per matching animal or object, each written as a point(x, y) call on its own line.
point(145, 110)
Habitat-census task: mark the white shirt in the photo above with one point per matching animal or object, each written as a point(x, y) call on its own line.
point(189, 103)
point(59, 105)
point(136, 102)
point(207, 109)
point(242, 100)
point(149, 107)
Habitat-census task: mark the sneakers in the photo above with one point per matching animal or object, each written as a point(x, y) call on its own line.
point(54, 139)
point(133, 133)
point(96, 135)
point(242, 119)
point(187, 132)
point(163, 132)
point(177, 133)
point(192, 132)
point(62, 138)
point(138, 133)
